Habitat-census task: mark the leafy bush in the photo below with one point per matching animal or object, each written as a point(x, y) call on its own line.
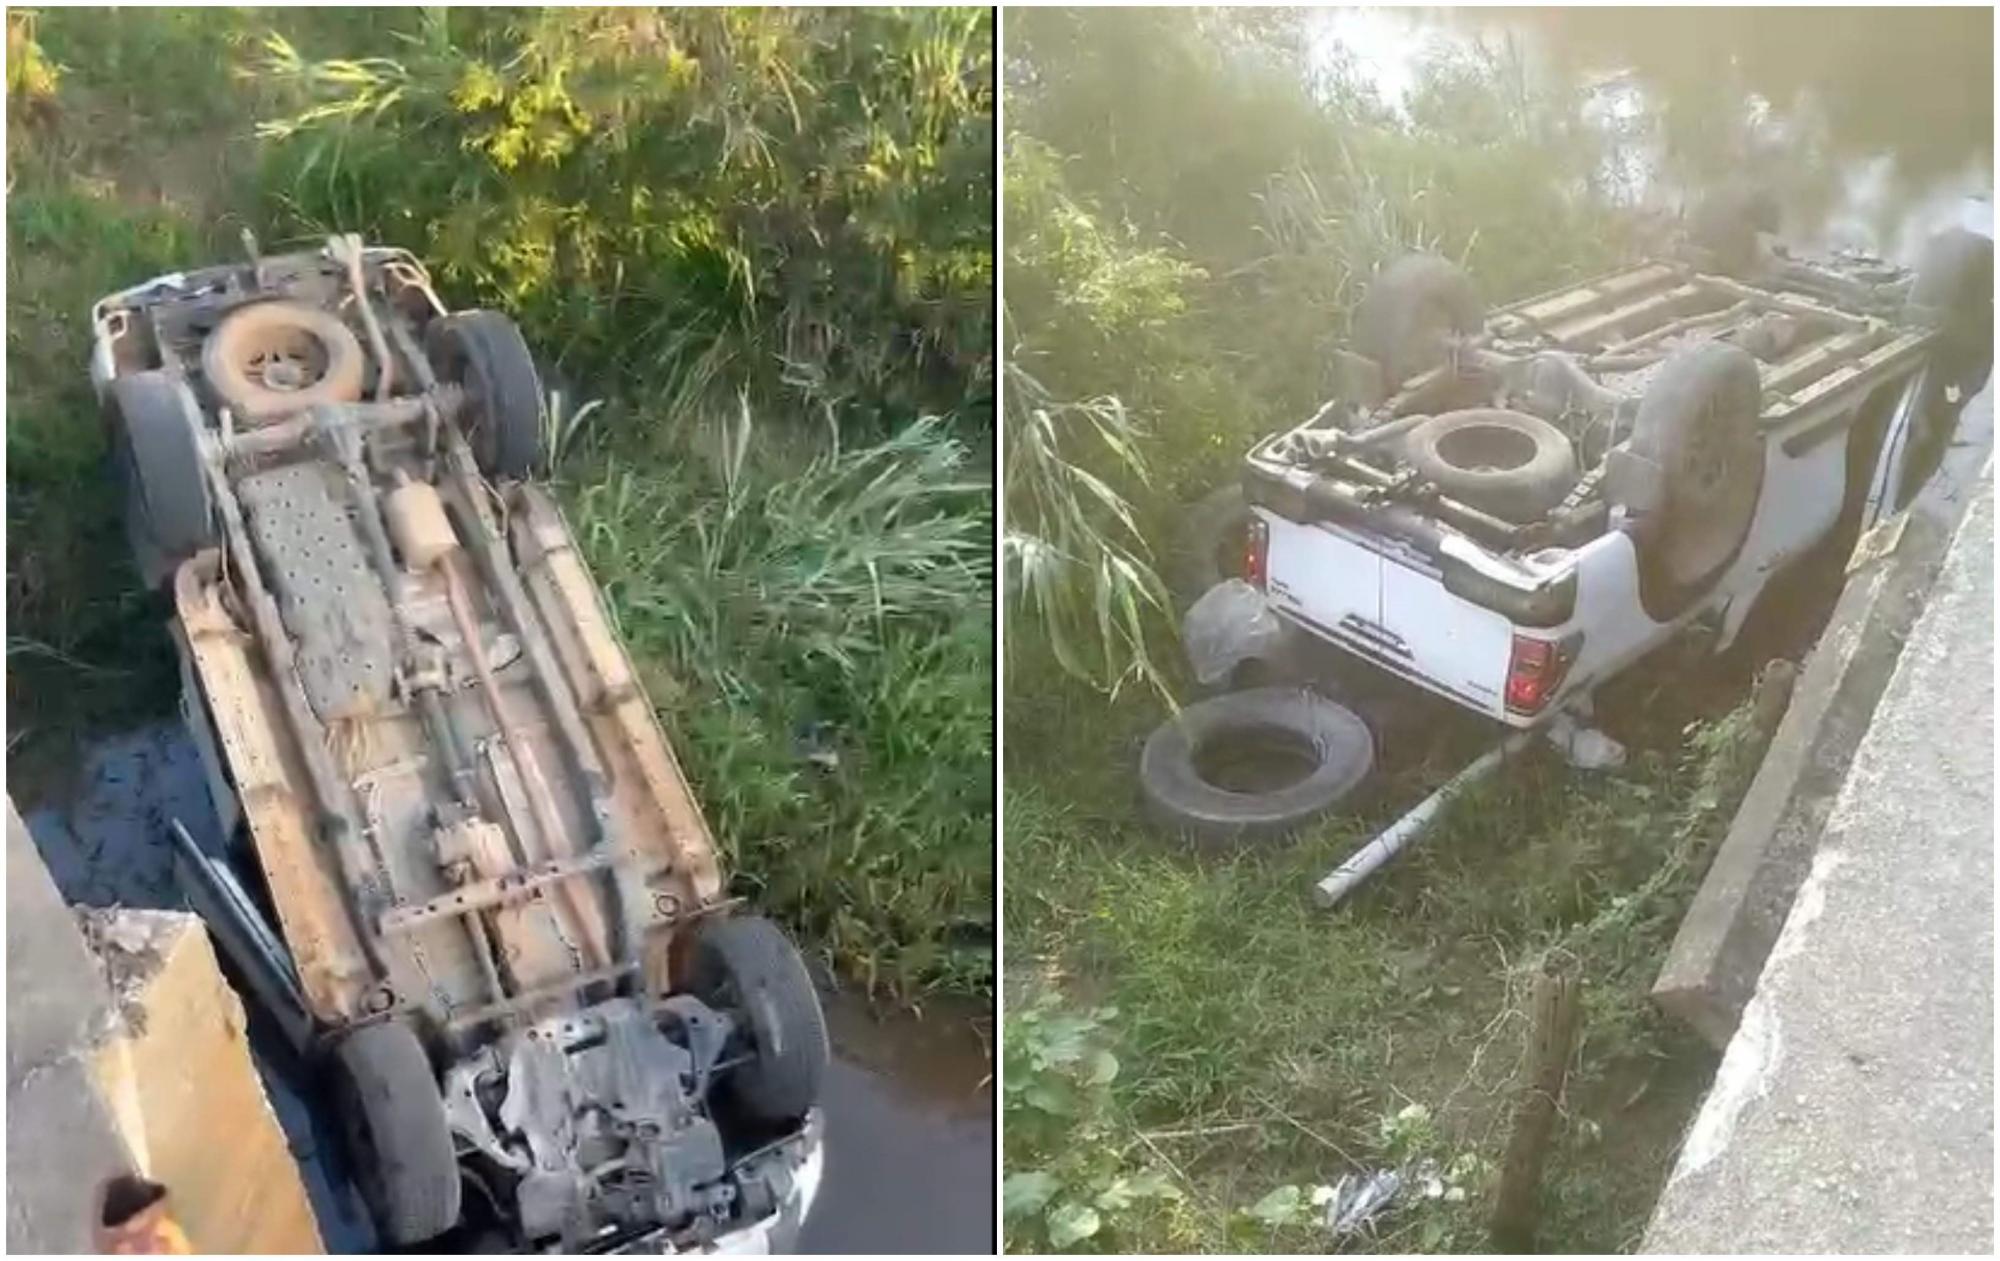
point(31, 76)
point(792, 201)
point(1073, 1182)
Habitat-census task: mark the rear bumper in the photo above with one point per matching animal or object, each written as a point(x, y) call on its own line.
point(1399, 669)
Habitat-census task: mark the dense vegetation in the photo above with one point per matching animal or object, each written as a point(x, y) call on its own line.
point(1194, 202)
point(1193, 205)
point(755, 249)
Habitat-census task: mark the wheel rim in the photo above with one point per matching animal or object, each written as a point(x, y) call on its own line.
point(1713, 510)
point(284, 359)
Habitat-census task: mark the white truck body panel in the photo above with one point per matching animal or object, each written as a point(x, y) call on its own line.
point(1339, 584)
point(1383, 600)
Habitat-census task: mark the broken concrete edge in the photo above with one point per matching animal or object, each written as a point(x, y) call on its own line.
point(1736, 915)
point(62, 1142)
point(127, 1052)
point(182, 1072)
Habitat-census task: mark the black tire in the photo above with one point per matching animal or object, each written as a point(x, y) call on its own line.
point(1699, 422)
point(395, 1124)
point(1208, 544)
point(155, 447)
point(745, 965)
point(1402, 320)
point(1252, 765)
point(1953, 292)
point(1510, 464)
point(484, 352)
point(324, 352)
point(1724, 228)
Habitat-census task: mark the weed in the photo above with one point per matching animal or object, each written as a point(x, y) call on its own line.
point(1084, 1186)
point(83, 639)
point(817, 628)
point(1077, 566)
point(31, 76)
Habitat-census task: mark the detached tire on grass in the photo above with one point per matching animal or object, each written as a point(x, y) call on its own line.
point(746, 966)
point(394, 1118)
point(1252, 765)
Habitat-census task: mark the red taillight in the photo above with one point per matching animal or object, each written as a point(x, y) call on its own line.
point(1535, 671)
point(1256, 552)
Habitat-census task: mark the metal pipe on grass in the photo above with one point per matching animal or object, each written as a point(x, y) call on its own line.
point(1365, 861)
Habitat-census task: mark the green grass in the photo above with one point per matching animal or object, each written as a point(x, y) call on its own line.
point(83, 643)
point(761, 239)
point(825, 621)
point(1295, 1034)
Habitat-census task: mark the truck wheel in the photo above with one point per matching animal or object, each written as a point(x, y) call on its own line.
point(272, 359)
point(745, 965)
point(1724, 227)
point(396, 1132)
point(1408, 312)
point(1953, 292)
point(1510, 464)
point(1208, 544)
point(484, 352)
point(155, 448)
point(1252, 765)
point(1698, 423)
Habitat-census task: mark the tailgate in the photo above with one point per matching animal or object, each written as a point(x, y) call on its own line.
point(1383, 602)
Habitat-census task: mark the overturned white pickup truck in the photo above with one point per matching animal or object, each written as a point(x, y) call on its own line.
point(465, 874)
point(1511, 508)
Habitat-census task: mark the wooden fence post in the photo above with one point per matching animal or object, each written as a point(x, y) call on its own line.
point(1554, 1013)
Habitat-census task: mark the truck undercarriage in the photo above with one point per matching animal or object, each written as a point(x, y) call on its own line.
point(498, 911)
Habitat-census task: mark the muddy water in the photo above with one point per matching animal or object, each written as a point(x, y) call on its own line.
point(909, 1107)
point(1871, 125)
point(909, 1134)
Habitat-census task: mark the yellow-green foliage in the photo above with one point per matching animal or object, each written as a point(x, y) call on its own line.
point(790, 200)
point(31, 76)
